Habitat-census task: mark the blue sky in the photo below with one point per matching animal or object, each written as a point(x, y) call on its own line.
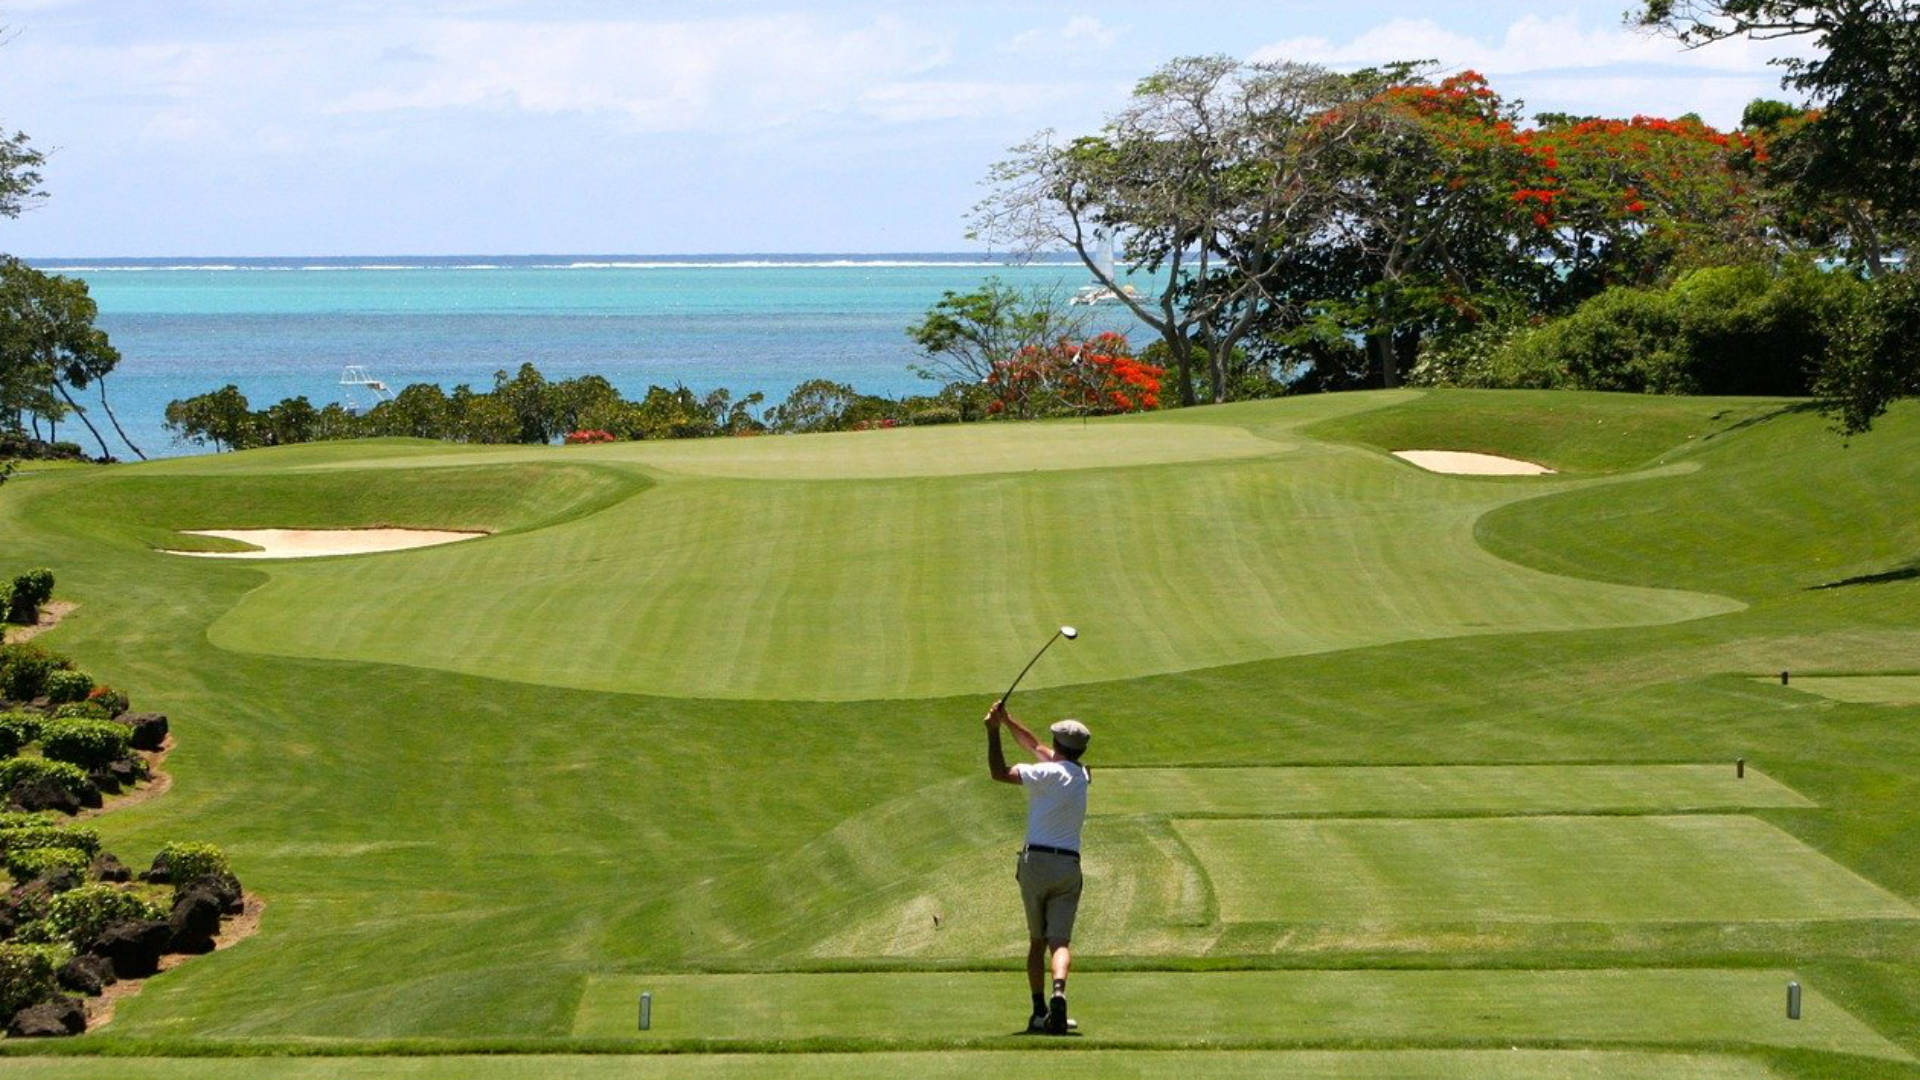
point(202, 127)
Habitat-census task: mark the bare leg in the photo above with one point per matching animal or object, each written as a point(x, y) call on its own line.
point(1062, 960)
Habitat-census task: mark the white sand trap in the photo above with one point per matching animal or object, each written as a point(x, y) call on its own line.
point(312, 543)
point(1463, 463)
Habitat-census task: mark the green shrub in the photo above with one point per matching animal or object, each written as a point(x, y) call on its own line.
point(39, 836)
point(110, 701)
point(184, 862)
point(78, 915)
point(28, 592)
point(935, 415)
point(17, 729)
point(82, 710)
point(88, 743)
point(24, 668)
point(67, 685)
point(27, 975)
point(13, 770)
point(14, 819)
point(32, 862)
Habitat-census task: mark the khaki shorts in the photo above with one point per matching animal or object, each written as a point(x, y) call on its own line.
point(1050, 890)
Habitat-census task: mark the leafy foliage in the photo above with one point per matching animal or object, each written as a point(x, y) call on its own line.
point(88, 743)
point(26, 594)
point(66, 684)
point(187, 861)
point(24, 669)
point(35, 837)
point(28, 975)
point(15, 770)
point(1875, 358)
point(17, 729)
point(49, 347)
point(78, 915)
point(26, 864)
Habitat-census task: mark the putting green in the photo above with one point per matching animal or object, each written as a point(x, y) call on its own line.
point(1432, 790)
point(1719, 868)
point(1325, 1008)
point(1860, 689)
point(909, 588)
point(1093, 1065)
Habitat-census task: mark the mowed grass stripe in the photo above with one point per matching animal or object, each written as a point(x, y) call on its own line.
point(908, 588)
point(1531, 869)
point(1440, 1008)
point(1860, 689)
point(946, 1065)
point(1434, 790)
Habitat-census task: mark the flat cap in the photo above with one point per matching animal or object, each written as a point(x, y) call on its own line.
point(1071, 734)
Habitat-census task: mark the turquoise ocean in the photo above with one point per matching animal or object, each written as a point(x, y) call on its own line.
point(280, 328)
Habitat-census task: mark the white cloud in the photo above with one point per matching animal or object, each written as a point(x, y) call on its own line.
point(1562, 63)
point(1079, 35)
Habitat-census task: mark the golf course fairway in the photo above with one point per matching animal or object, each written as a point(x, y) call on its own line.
point(1397, 774)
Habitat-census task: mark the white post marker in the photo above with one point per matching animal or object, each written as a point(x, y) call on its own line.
point(1793, 1001)
point(646, 1010)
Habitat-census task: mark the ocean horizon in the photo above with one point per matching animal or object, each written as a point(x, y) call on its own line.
point(280, 327)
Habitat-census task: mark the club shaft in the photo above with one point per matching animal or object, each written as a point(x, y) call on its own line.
point(1030, 663)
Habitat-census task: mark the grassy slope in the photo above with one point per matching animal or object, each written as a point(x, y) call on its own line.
point(404, 904)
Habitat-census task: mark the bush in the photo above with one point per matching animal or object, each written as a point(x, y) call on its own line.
point(29, 591)
point(936, 415)
point(41, 836)
point(111, 702)
point(17, 729)
point(33, 862)
point(12, 819)
point(27, 594)
point(66, 685)
point(28, 975)
point(78, 915)
point(24, 669)
point(14, 770)
point(184, 862)
point(81, 710)
point(88, 743)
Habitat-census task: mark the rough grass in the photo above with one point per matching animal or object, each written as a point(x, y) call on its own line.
point(448, 857)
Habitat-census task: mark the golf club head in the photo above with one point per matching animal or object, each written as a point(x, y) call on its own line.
point(1069, 633)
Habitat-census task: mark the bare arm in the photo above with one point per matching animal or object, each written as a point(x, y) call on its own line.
point(1022, 736)
point(996, 756)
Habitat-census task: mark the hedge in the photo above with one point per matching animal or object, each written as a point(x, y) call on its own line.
point(184, 862)
point(37, 837)
point(86, 742)
point(24, 668)
point(13, 770)
point(67, 685)
point(33, 862)
point(26, 593)
point(28, 975)
point(78, 915)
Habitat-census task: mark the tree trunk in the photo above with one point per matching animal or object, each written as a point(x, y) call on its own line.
point(116, 421)
point(82, 414)
point(1182, 351)
point(1380, 346)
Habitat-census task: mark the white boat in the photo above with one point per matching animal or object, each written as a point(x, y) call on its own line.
point(1097, 293)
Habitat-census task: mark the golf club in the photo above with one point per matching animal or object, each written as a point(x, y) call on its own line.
point(1067, 632)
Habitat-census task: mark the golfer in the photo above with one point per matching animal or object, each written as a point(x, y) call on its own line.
point(1049, 871)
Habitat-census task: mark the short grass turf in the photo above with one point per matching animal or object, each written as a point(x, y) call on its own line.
point(1712, 868)
point(965, 1065)
point(1434, 790)
point(816, 587)
point(1696, 1007)
point(1862, 689)
point(448, 857)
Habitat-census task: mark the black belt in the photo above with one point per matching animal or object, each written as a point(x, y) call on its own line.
point(1044, 849)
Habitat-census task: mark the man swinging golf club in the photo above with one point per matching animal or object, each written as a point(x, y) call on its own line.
point(1049, 869)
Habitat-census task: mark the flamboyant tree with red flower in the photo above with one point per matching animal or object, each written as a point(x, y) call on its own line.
point(1096, 376)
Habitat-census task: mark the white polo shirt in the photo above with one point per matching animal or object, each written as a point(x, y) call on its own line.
point(1056, 802)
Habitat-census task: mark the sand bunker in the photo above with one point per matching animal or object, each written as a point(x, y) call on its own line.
point(1462, 463)
point(312, 543)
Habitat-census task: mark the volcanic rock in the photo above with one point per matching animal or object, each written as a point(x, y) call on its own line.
point(57, 1016)
point(134, 946)
point(87, 974)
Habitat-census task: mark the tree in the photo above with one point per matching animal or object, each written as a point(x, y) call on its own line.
point(222, 417)
point(49, 347)
point(19, 174)
point(1862, 143)
point(967, 336)
point(1208, 176)
point(815, 405)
